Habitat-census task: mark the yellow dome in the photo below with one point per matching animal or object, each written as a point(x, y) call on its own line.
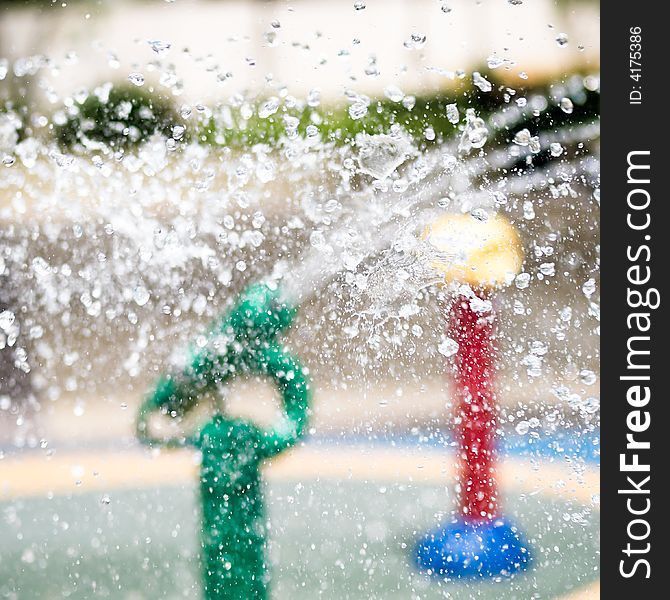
point(480, 253)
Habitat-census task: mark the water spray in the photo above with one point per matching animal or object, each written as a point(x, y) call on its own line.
point(478, 541)
point(480, 254)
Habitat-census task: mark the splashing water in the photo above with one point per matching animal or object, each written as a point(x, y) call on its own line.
point(133, 215)
point(150, 244)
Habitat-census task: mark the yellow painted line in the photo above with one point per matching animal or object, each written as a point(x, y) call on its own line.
point(551, 479)
point(38, 475)
point(589, 592)
point(80, 472)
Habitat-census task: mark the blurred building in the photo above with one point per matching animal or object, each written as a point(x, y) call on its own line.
point(222, 47)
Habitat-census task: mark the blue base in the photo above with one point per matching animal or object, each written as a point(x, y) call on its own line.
point(473, 550)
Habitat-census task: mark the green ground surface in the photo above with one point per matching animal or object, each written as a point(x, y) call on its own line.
point(336, 541)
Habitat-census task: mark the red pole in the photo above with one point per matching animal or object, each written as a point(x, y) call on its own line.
point(476, 411)
point(479, 541)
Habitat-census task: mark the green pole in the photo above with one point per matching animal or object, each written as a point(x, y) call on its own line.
point(233, 536)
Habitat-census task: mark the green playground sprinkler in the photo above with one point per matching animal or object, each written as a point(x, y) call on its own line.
point(233, 536)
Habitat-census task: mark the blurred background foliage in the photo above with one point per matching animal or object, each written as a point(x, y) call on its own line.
point(122, 116)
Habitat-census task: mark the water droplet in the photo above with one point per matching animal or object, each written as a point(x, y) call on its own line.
point(591, 405)
point(555, 149)
point(522, 427)
point(269, 107)
point(534, 145)
point(548, 269)
point(587, 377)
point(380, 155)
point(312, 135)
point(452, 114)
point(494, 61)
point(533, 364)
point(565, 314)
point(589, 288)
point(562, 39)
point(447, 347)
point(479, 214)
point(522, 138)
point(481, 82)
point(178, 132)
point(7, 319)
point(528, 210)
point(291, 124)
point(141, 295)
point(160, 47)
point(480, 305)
point(566, 105)
point(358, 110)
point(136, 79)
point(416, 41)
point(394, 93)
point(408, 102)
point(314, 98)
point(522, 281)
point(499, 198)
point(475, 132)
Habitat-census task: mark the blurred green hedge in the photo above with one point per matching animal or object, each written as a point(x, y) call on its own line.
point(126, 117)
point(122, 116)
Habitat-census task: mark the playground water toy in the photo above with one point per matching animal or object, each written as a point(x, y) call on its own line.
point(233, 536)
point(478, 541)
point(179, 242)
